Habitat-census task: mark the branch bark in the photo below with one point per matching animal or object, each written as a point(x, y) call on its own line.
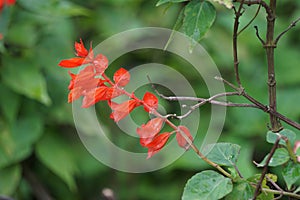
point(270, 46)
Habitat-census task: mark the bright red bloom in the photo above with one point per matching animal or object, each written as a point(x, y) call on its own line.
point(6, 2)
point(157, 143)
point(81, 51)
point(121, 77)
point(101, 93)
point(181, 139)
point(151, 101)
point(120, 111)
point(148, 131)
point(72, 62)
point(101, 63)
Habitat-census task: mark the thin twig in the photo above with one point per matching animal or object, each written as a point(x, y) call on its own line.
point(276, 186)
point(258, 36)
point(250, 22)
point(238, 13)
point(258, 187)
point(260, 105)
point(259, 2)
point(293, 24)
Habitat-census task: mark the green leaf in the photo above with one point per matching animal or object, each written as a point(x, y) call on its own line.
point(161, 2)
point(9, 179)
point(9, 103)
point(227, 3)
point(291, 173)
point(280, 157)
point(24, 77)
point(16, 142)
point(176, 27)
point(199, 17)
point(241, 191)
point(207, 185)
point(54, 8)
point(223, 153)
point(54, 153)
point(272, 137)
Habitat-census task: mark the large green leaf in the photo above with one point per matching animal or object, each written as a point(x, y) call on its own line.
point(227, 3)
point(55, 153)
point(199, 17)
point(9, 103)
point(223, 153)
point(242, 190)
point(272, 137)
point(23, 76)
point(160, 2)
point(9, 179)
point(291, 173)
point(207, 185)
point(280, 157)
point(16, 142)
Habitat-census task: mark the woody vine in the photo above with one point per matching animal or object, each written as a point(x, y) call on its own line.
point(94, 86)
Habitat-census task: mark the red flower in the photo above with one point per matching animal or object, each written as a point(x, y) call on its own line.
point(6, 2)
point(157, 143)
point(101, 93)
point(101, 63)
point(151, 102)
point(148, 131)
point(121, 77)
point(81, 51)
point(120, 111)
point(181, 139)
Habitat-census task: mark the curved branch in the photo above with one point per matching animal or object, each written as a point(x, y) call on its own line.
point(293, 24)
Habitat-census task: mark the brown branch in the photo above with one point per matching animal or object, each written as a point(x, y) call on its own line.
point(258, 186)
point(258, 36)
point(276, 186)
point(250, 22)
point(256, 2)
point(260, 105)
point(293, 24)
point(238, 13)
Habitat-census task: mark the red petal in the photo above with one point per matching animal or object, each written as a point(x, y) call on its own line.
point(120, 111)
point(94, 96)
point(100, 63)
point(71, 63)
point(157, 144)
point(74, 94)
point(122, 77)
point(81, 51)
point(72, 81)
point(181, 140)
point(149, 130)
point(10, 2)
point(151, 101)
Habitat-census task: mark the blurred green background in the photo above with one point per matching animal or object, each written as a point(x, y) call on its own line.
point(40, 151)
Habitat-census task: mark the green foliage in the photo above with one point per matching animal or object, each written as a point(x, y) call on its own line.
point(280, 157)
point(161, 2)
point(207, 185)
point(199, 17)
point(242, 190)
point(9, 179)
point(272, 137)
point(59, 159)
point(291, 173)
point(225, 154)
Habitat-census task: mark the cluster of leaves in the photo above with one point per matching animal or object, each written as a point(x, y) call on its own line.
point(209, 184)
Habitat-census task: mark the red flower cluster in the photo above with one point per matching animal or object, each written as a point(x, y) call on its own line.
point(93, 85)
point(6, 2)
